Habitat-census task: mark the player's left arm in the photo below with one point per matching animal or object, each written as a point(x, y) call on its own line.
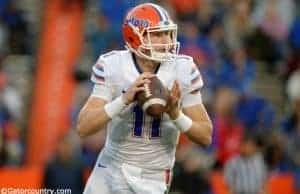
point(193, 119)
point(201, 129)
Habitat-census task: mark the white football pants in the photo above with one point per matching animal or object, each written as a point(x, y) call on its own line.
point(126, 179)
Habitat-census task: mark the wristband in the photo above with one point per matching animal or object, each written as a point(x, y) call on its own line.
point(183, 122)
point(114, 107)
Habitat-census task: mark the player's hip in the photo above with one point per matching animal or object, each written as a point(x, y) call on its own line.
point(158, 160)
point(132, 179)
point(140, 180)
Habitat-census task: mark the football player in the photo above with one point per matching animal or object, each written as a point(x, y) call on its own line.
point(139, 151)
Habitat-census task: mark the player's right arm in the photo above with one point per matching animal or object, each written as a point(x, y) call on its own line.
point(92, 117)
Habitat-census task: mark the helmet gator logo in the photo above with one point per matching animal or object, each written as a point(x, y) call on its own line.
point(137, 22)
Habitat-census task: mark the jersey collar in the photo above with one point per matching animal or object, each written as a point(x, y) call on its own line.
point(137, 67)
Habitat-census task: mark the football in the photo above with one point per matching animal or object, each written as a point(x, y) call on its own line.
point(153, 99)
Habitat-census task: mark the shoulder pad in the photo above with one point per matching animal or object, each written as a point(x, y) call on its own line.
point(184, 58)
point(185, 63)
point(112, 57)
point(109, 54)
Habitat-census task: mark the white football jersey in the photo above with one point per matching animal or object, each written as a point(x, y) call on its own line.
point(132, 136)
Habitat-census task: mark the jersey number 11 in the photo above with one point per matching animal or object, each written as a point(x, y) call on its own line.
point(139, 121)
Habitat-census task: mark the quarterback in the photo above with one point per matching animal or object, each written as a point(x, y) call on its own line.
point(139, 151)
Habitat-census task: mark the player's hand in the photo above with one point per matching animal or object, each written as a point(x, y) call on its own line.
point(173, 108)
point(137, 86)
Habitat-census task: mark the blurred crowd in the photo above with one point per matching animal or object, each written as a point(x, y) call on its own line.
point(13, 29)
point(230, 41)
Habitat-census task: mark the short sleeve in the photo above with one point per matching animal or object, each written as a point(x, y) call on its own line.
point(191, 83)
point(195, 81)
point(102, 91)
point(99, 72)
point(99, 77)
point(191, 100)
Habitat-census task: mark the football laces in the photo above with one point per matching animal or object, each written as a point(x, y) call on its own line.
point(147, 90)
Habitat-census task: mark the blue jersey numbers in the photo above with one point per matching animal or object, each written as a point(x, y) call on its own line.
point(139, 124)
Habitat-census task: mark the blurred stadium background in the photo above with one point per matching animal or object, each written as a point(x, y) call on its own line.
point(248, 52)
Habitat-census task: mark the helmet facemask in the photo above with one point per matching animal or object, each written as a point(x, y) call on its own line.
point(159, 52)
